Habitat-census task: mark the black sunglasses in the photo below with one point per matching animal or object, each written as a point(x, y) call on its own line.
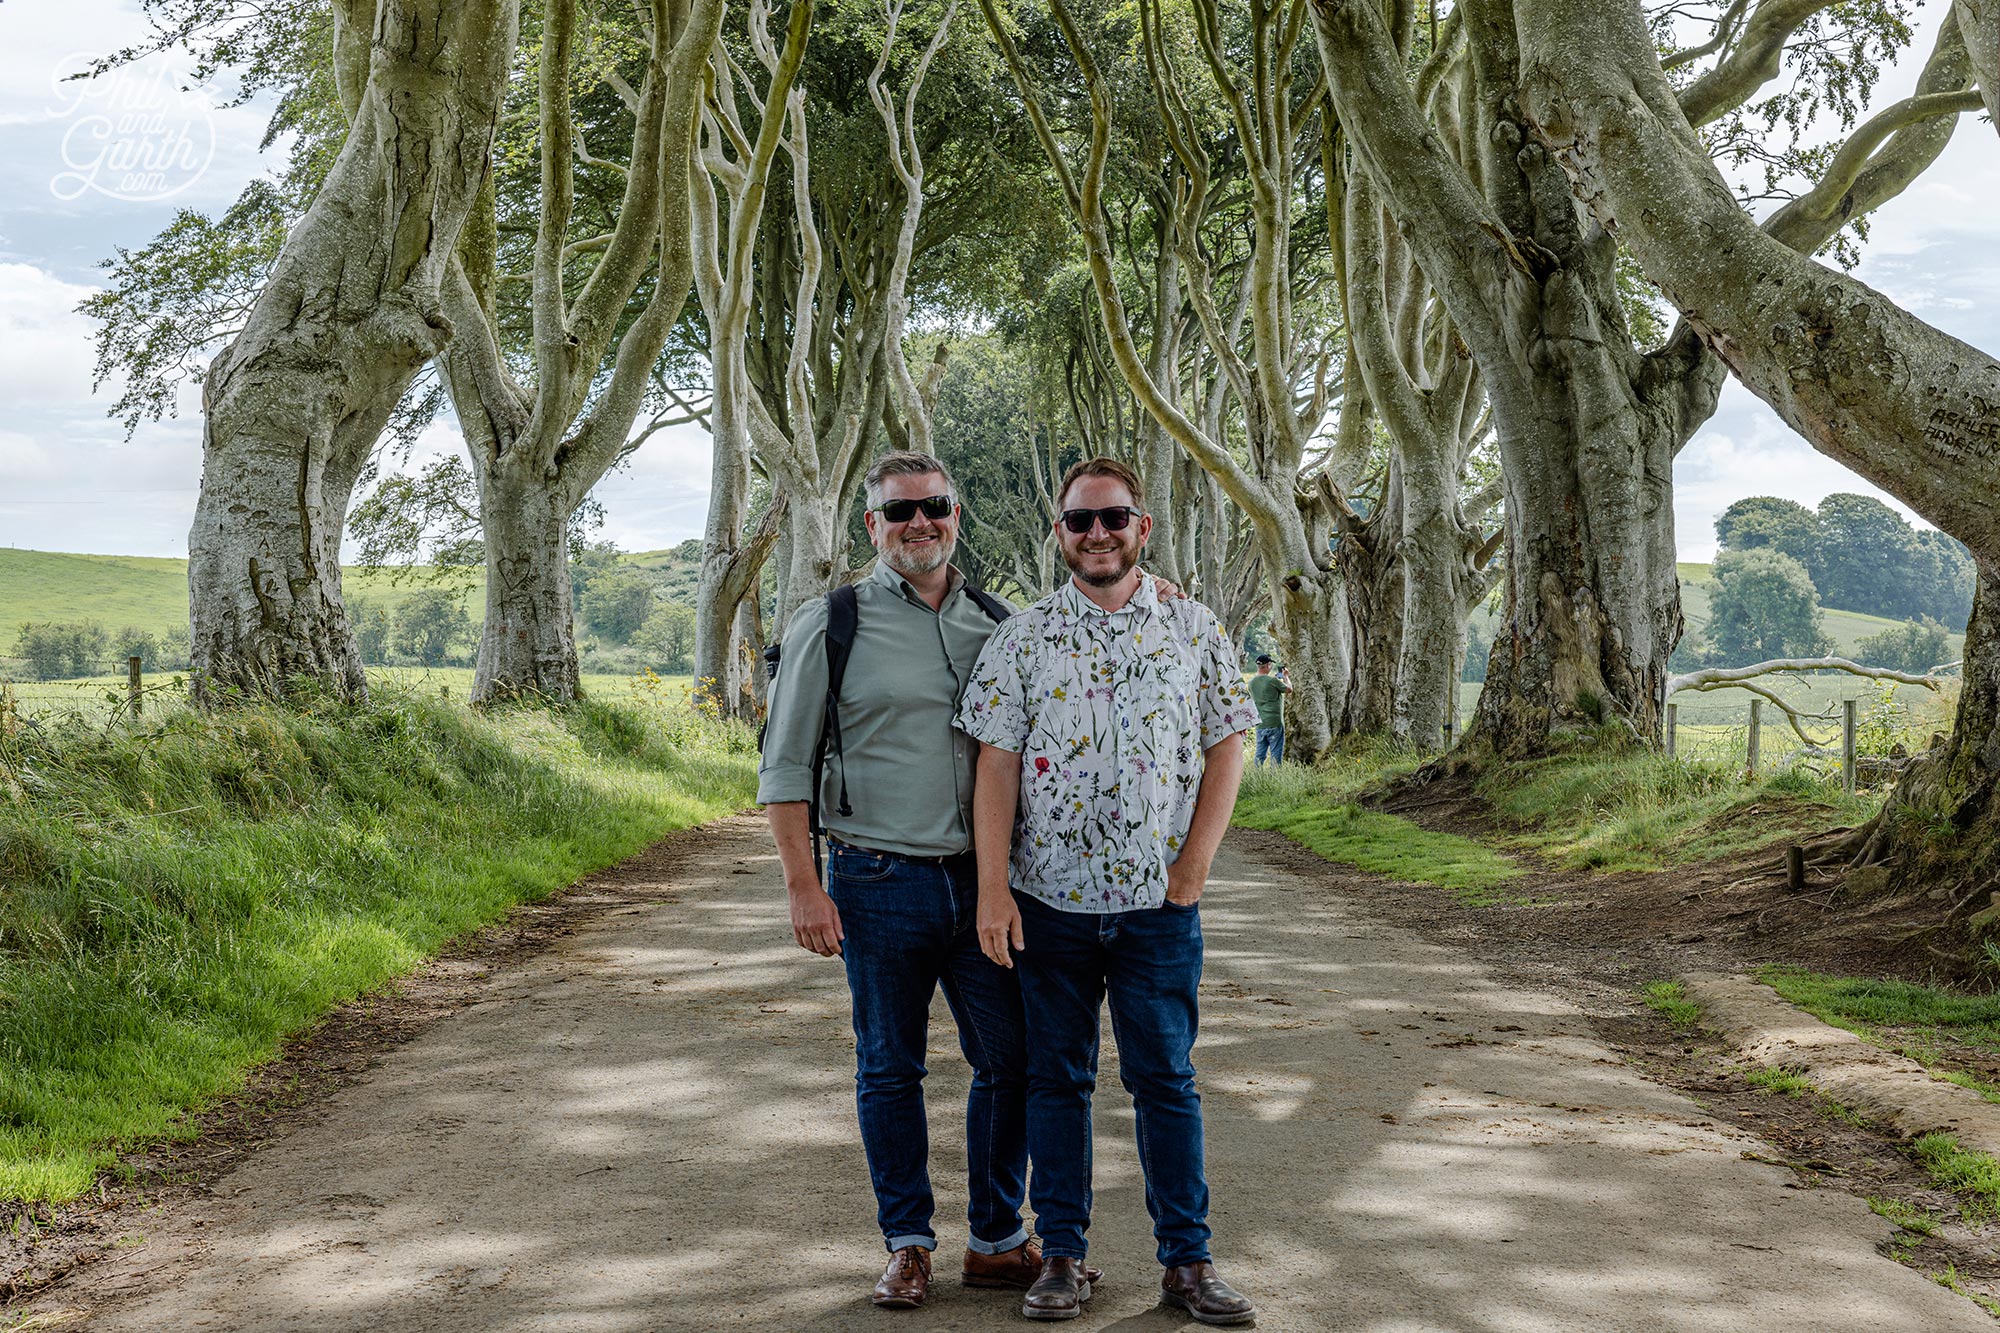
point(1114, 518)
point(902, 511)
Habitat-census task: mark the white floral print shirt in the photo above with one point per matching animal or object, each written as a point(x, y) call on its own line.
point(1110, 713)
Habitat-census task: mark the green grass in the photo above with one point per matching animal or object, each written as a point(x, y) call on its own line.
point(1973, 1176)
point(1949, 1279)
point(178, 898)
point(1670, 1000)
point(1781, 1081)
point(145, 592)
point(1924, 1023)
point(99, 696)
point(1907, 1216)
point(1619, 808)
point(1306, 806)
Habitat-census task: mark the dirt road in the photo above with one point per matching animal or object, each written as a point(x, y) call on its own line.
point(651, 1125)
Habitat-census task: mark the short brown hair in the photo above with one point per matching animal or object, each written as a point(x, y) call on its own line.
point(904, 463)
point(1102, 466)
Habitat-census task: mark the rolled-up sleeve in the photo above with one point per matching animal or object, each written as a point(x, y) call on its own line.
point(796, 711)
point(994, 707)
point(1225, 704)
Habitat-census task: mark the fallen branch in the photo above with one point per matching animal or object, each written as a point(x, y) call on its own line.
point(1739, 678)
point(1710, 678)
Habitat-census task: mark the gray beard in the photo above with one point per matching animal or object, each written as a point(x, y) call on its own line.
point(909, 563)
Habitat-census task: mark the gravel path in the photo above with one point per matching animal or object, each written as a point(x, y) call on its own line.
point(650, 1125)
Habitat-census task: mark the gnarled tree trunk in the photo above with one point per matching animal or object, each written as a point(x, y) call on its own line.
point(352, 311)
point(1587, 426)
point(1908, 406)
point(528, 649)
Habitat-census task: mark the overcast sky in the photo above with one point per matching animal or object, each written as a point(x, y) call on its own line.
point(70, 481)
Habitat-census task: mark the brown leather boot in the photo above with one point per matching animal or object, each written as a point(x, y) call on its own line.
point(1196, 1289)
point(1059, 1292)
point(1015, 1269)
point(906, 1281)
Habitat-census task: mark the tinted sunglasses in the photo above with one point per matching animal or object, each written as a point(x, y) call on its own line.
point(1114, 519)
point(902, 511)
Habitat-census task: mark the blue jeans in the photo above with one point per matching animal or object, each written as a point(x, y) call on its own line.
point(1271, 741)
point(1149, 964)
point(909, 929)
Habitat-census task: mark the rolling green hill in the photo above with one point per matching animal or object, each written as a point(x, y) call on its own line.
point(150, 593)
point(142, 592)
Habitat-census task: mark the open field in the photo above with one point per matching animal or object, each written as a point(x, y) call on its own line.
point(1917, 709)
point(120, 591)
point(98, 696)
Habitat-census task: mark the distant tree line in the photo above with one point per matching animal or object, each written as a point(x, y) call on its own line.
point(67, 649)
point(632, 615)
point(1860, 555)
point(1779, 563)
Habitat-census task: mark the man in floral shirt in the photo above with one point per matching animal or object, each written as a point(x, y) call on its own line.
point(1110, 726)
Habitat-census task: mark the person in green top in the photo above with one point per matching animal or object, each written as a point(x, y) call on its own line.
point(1268, 691)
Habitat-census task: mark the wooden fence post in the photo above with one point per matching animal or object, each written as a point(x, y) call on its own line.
point(132, 685)
point(1847, 744)
point(10, 720)
point(1673, 723)
point(1756, 732)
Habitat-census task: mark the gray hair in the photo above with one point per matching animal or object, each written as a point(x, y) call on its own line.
point(903, 463)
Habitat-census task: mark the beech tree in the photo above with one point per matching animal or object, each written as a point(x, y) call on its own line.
point(1588, 420)
point(742, 131)
point(900, 195)
point(351, 312)
point(1910, 407)
point(1283, 383)
point(543, 428)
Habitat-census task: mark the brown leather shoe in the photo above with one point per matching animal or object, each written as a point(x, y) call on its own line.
point(1059, 1291)
point(1196, 1289)
point(1015, 1269)
point(906, 1281)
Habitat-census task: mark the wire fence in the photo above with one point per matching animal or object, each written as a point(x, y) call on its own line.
point(1863, 732)
point(122, 691)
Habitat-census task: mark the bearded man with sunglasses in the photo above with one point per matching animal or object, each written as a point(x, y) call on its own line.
point(1112, 723)
point(901, 885)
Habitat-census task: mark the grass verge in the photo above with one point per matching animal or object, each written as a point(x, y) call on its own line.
point(1670, 1000)
point(177, 898)
point(1972, 1176)
point(1925, 1023)
point(1307, 805)
point(1618, 808)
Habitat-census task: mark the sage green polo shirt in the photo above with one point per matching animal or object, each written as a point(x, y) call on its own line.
point(909, 771)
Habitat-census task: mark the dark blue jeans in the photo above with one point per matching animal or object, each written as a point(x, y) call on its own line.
point(1148, 963)
point(910, 929)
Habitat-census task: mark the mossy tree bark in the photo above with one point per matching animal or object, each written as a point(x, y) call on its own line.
point(352, 310)
point(1587, 424)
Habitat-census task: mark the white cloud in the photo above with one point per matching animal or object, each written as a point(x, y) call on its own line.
point(660, 497)
point(48, 353)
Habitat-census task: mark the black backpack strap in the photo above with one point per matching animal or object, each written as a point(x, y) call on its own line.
point(995, 609)
point(843, 616)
